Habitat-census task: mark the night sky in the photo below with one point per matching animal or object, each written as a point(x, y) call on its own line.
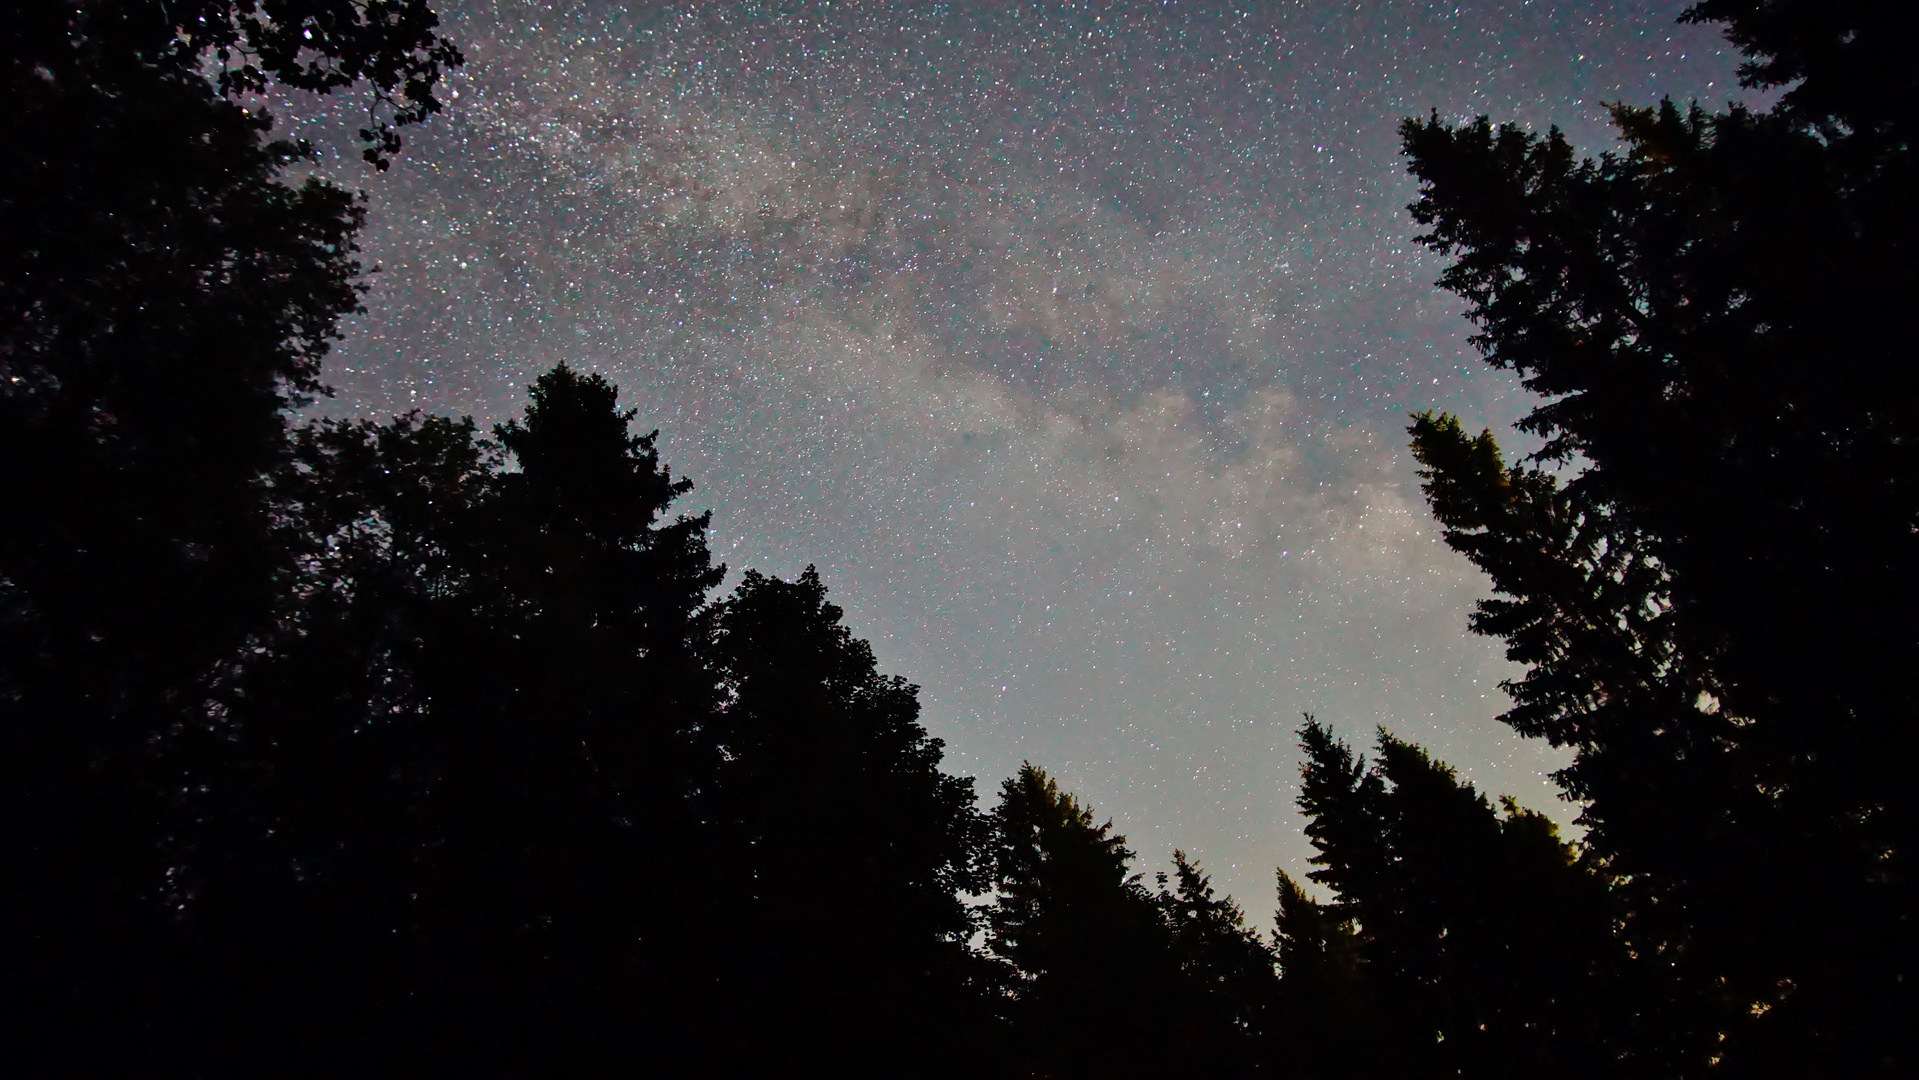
point(1075, 344)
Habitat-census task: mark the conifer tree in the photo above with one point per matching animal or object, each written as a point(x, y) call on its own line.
point(854, 849)
point(566, 709)
point(1082, 930)
point(1325, 1025)
point(478, 744)
point(1482, 947)
point(1228, 977)
point(1719, 607)
point(1114, 981)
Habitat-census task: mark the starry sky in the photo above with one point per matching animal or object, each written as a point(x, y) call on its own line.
point(1073, 342)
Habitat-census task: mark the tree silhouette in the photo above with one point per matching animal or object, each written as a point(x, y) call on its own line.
point(1084, 932)
point(566, 707)
point(393, 747)
point(167, 295)
point(310, 871)
point(1325, 1023)
point(1481, 945)
point(461, 796)
point(854, 847)
point(1228, 981)
point(1719, 606)
point(1113, 980)
point(391, 48)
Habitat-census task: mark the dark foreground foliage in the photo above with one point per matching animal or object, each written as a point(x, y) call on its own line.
point(402, 747)
point(1718, 610)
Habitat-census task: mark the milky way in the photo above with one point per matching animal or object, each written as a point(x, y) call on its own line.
point(1075, 344)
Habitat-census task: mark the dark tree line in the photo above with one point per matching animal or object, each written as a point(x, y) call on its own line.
point(1717, 609)
point(164, 295)
point(405, 747)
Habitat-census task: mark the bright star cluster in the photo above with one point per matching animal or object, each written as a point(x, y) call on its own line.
point(1074, 342)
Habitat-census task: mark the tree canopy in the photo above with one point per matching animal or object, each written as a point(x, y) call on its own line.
point(403, 746)
point(168, 294)
point(1717, 603)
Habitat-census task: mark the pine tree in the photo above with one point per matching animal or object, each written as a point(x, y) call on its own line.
point(1325, 1023)
point(1474, 938)
point(1113, 980)
point(1095, 997)
point(1719, 607)
point(1228, 976)
point(854, 849)
point(479, 745)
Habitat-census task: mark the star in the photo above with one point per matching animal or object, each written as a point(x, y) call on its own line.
point(1074, 342)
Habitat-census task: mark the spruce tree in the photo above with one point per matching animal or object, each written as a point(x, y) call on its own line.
point(476, 744)
point(1475, 939)
point(1113, 980)
point(565, 709)
point(1719, 606)
point(1095, 996)
point(1326, 1025)
point(854, 849)
point(1229, 982)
